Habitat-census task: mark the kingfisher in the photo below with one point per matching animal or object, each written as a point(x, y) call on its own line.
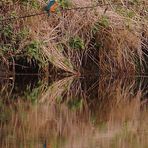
point(51, 6)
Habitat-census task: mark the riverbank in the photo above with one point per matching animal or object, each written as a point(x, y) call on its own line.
point(105, 39)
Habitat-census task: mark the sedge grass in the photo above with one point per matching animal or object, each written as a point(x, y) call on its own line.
point(120, 32)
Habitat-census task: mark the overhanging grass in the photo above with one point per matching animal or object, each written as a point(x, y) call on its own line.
point(118, 32)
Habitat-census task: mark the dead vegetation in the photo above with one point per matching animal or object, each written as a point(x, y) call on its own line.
point(119, 31)
point(115, 117)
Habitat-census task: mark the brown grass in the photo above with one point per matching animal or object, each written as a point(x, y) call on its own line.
point(121, 38)
point(119, 120)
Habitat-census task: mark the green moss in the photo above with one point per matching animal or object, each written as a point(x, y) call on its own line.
point(65, 3)
point(104, 21)
point(76, 43)
point(95, 28)
point(33, 3)
point(33, 95)
point(75, 104)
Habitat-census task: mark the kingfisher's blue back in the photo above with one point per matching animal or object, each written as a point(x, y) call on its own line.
point(51, 3)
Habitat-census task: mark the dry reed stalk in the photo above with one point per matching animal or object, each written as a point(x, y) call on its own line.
point(124, 123)
point(121, 40)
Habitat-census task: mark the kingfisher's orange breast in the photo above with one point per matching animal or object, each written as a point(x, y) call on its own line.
point(53, 7)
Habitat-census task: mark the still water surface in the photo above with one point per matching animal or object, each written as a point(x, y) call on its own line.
point(86, 112)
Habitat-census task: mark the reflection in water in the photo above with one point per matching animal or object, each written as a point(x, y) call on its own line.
point(74, 113)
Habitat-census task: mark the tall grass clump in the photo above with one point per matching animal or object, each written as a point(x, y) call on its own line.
point(118, 30)
point(118, 34)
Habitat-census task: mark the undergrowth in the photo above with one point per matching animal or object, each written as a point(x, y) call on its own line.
point(119, 30)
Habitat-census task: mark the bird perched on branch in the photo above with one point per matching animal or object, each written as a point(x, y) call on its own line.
point(51, 6)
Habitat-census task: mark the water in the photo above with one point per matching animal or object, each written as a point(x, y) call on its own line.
point(72, 112)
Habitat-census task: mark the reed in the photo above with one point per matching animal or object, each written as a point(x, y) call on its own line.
point(115, 118)
point(119, 32)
